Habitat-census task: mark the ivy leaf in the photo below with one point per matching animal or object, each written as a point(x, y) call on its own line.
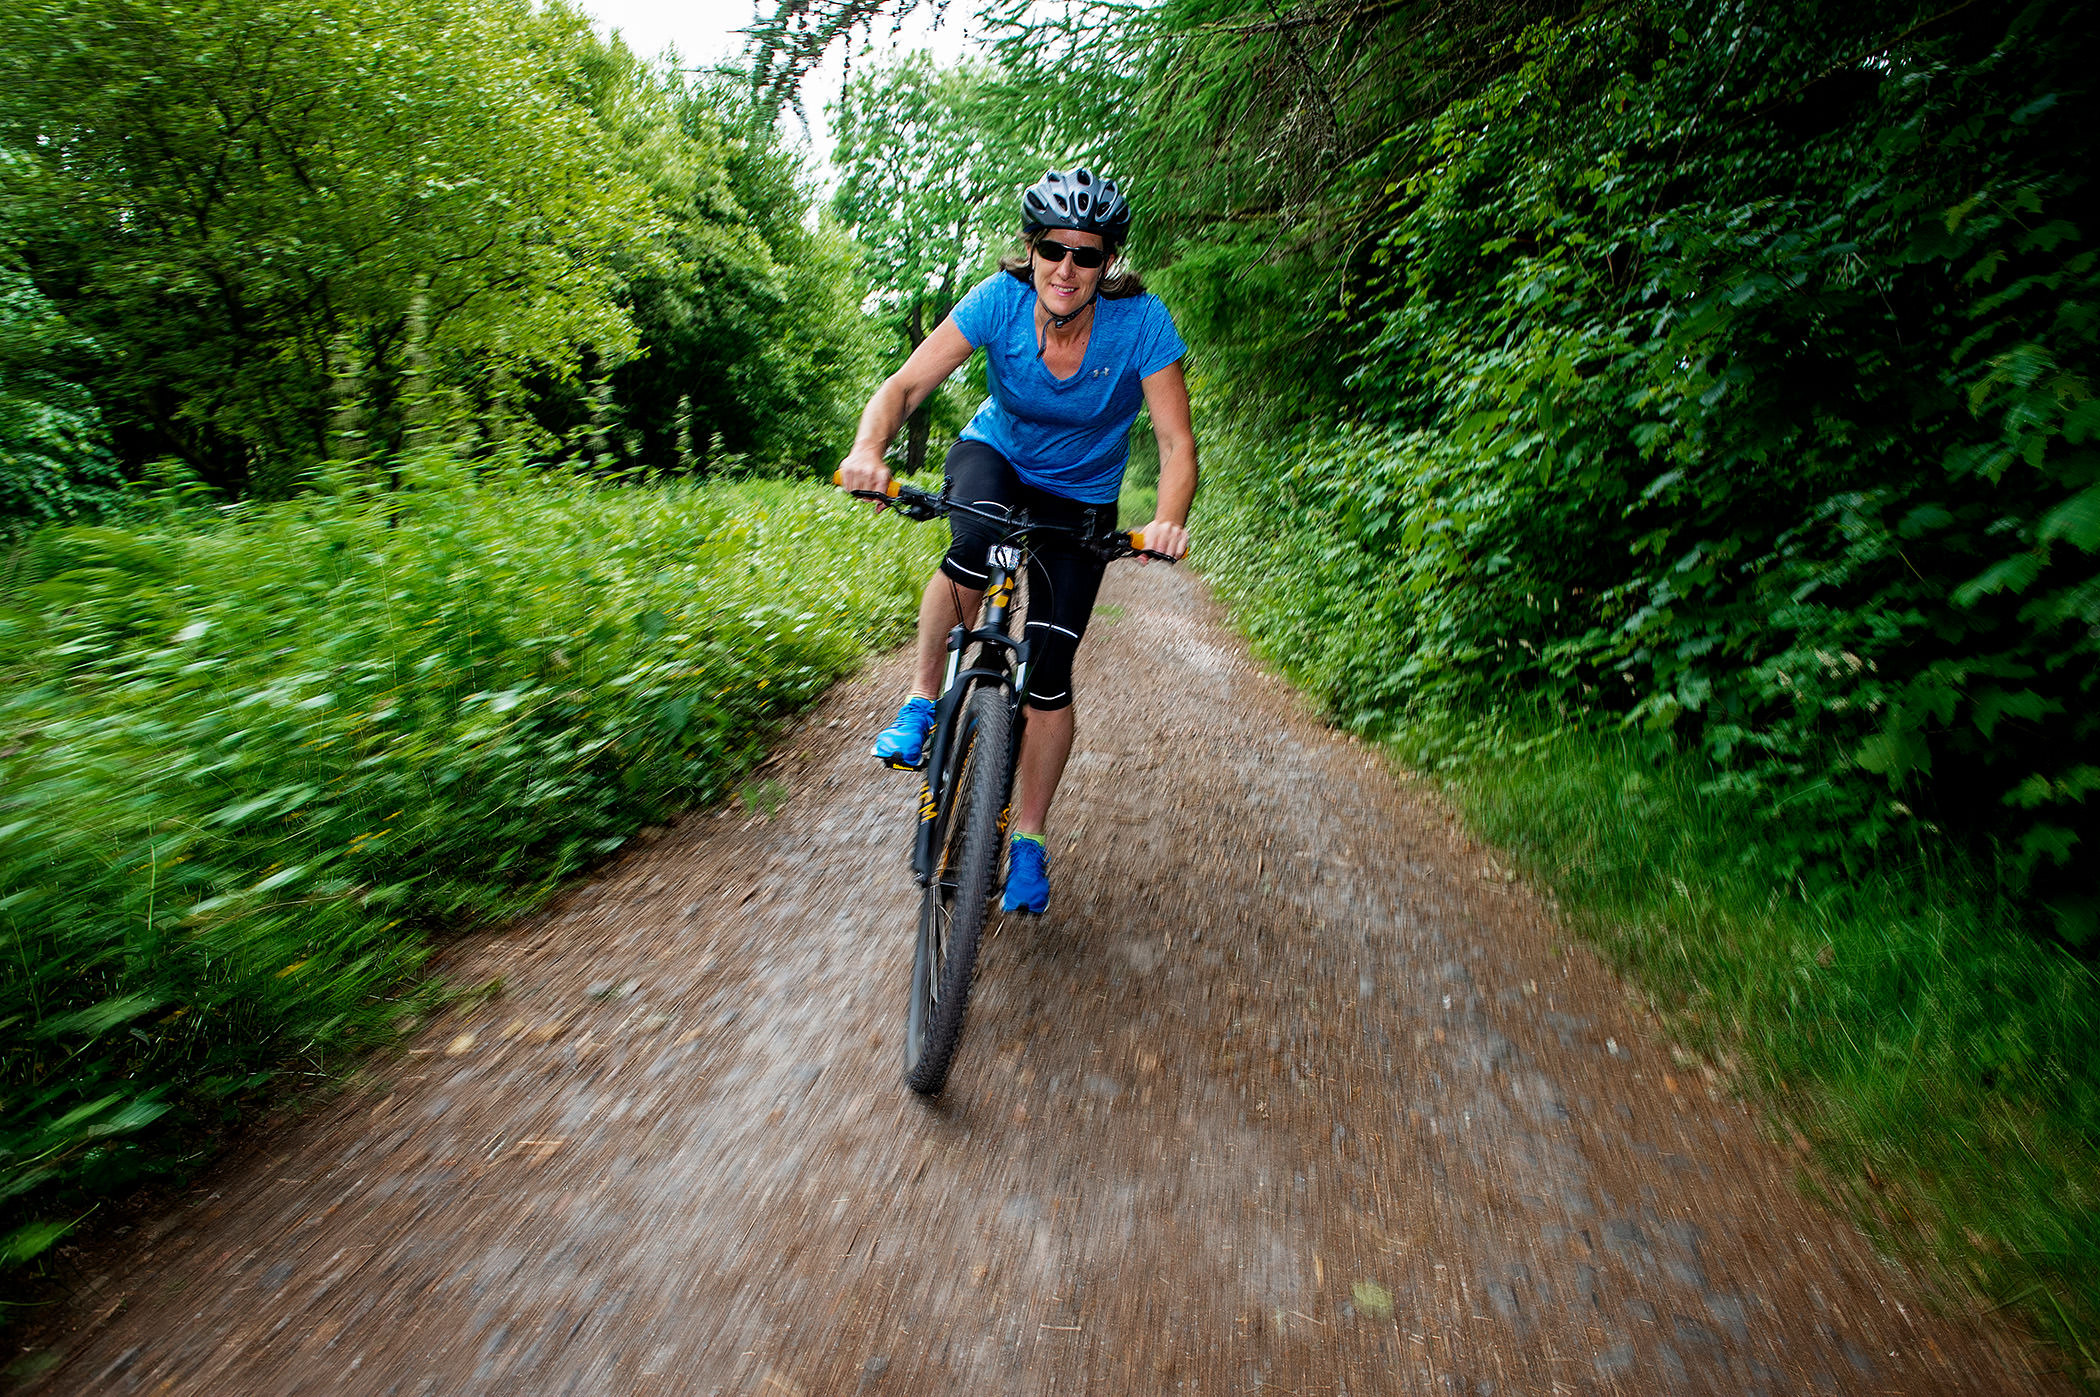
point(2053, 842)
point(1994, 703)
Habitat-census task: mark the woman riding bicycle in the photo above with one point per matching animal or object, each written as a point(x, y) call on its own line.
point(1073, 346)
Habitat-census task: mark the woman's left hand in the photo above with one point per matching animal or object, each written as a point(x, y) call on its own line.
point(1164, 537)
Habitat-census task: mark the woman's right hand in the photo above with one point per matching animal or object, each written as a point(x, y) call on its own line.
point(863, 469)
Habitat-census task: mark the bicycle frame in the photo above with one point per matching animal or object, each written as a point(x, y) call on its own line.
point(1008, 668)
point(1003, 659)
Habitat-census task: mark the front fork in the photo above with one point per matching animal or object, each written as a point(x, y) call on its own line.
point(925, 857)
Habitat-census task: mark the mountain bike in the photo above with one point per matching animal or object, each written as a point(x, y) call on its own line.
point(966, 789)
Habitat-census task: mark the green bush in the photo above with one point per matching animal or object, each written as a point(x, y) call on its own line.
point(55, 462)
point(249, 765)
point(1719, 378)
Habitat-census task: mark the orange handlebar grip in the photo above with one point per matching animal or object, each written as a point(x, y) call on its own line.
point(1137, 538)
point(838, 478)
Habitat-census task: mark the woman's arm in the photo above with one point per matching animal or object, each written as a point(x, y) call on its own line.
point(1167, 396)
point(938, 355)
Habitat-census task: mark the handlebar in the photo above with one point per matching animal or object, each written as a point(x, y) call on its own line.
point(917, 504)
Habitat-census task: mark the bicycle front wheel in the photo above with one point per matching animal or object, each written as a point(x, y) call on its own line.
point(978, 769)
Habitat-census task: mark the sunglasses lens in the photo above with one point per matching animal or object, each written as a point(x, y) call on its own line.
point(1081, 256)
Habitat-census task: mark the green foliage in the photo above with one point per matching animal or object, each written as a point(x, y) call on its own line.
point(248, 765)
point(1709, 397)
point(751, 344)
point(298, 237)
point(54, 458)
point(1943, 1064)
point(265, 213)
point(930, 165)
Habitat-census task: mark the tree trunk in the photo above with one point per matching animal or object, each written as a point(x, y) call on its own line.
point(916, 429)
point(919, 425)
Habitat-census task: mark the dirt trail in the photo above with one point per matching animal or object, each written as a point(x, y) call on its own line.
point(1291, 1093)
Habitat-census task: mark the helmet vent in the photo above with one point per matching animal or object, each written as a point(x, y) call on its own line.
point(1080, 200)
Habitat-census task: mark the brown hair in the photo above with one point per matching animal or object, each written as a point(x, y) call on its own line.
point(1117, 284)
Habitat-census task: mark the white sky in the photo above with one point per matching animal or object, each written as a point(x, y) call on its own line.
point(705, 32)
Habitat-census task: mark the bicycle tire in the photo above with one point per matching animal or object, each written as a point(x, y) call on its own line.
point(978, 767)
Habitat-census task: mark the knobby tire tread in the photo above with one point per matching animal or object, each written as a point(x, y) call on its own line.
point(970, 854)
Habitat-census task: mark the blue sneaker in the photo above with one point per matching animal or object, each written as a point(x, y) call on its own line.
point(1027, 877)
point(902, 745)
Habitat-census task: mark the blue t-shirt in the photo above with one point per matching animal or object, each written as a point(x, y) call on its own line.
point(1069, 436)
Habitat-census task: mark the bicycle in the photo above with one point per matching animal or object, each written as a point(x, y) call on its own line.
point(967, 785)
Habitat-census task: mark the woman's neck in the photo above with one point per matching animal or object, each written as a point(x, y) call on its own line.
point(1074, 329)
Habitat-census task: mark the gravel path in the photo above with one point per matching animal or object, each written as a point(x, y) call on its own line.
point(1293, 1092)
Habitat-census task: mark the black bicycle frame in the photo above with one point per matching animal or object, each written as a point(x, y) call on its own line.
point(1007, 667)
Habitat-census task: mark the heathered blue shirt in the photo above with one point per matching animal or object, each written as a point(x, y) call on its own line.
point(1069, 436)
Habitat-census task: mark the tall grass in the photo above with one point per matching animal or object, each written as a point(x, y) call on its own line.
point(248, 764)
point(1940, 1063)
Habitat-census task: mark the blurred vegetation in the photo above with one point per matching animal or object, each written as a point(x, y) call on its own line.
point(278, 237)
point(251, 758)
point(928, 162)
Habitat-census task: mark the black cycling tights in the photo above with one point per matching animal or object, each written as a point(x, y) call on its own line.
point(1062, 580)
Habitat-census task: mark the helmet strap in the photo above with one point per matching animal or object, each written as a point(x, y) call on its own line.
point(1060, 321)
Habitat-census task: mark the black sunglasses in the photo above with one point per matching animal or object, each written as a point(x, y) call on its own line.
point(1081, 256)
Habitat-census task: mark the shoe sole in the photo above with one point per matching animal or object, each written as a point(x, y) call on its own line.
point(895, 765)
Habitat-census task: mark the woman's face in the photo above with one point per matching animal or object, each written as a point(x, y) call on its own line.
point(1063, 286)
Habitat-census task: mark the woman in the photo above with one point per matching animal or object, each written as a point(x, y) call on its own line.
point(1073, 346)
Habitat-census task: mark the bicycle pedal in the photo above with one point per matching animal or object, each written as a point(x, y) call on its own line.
point(894, 765)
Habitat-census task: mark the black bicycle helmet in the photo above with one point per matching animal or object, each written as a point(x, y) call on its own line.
point(1077, 199)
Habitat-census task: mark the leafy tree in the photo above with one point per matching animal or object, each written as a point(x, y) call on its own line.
point(788, 390)
point(278, 221)
point(748, 341)
point(930, 161)
point(54, 456)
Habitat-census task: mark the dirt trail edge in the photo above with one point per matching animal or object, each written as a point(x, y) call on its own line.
point(1292, 1092)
